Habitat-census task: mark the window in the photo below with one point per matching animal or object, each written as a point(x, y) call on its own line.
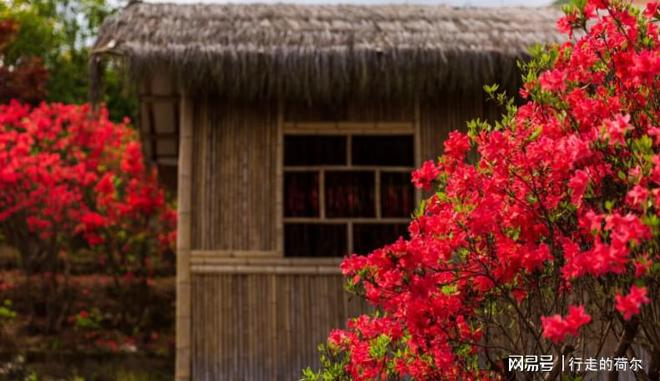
point(345, 192)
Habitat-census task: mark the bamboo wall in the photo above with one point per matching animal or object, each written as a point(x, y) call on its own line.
point(350, 110)
point(243, 311)
point(234, 162)
point(268, 325)
point(255, 315)
point(447, 113)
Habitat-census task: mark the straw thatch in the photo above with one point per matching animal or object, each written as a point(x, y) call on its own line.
point(254, 50)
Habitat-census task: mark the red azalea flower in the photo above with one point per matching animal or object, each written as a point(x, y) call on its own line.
point(424, 176)
point(630, 304)
point(556, 328)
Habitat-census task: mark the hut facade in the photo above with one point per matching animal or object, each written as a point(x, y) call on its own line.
point(292, 130)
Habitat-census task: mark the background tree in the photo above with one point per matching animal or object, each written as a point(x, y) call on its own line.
point(548, 244)
point(22, 77)
point(59, 33)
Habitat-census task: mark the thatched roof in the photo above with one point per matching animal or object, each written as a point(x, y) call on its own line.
point(310, 50)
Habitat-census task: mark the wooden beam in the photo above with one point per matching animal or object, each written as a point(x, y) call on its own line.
point(377, 198)
point(321, 180)
point(159, 98)
point(226, 254)
point(161, 135)
point(347, 168)
point(288, 130)
point(418, 146)
point(168, 161)
point(279, 181)
point(342, 127)
point(219, 257)
point(184, 235)
point(345, 220)
point(265, 269)
point(151, 130)
point(228, 262)
point(177, 123)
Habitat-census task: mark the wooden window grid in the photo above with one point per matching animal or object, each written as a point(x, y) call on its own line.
point(349, 130)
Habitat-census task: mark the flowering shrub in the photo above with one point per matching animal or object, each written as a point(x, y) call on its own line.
point(548, 243)
point(72, 183)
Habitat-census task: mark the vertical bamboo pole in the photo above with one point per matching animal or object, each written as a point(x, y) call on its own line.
point(183, 289)
point(377, 194)
point(418, 144)
point(279, 181)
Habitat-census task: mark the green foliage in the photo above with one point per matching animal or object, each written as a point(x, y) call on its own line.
point(61, 32)
point(503, 100)
point(333, 364)
point(6, 311)
point(89, 321)
point(379, 347)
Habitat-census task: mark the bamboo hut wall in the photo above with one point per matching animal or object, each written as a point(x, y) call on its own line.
point(350, 111)
point(257, 316)
point(234, 173)
point(235, 166)
point(437, 116)
point(264, 326)
point(447, 113)
point(235, 158)
point(184, 211)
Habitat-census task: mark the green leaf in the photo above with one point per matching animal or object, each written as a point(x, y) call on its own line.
point(379, 347)
point(419, 211)
point(609, 205)
point(449, 289)
point(535, 134)
point(6, 313)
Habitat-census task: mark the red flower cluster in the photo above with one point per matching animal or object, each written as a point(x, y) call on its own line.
point(564, 195)
point(630, 304)
point(65, 174)
point(424, 176)
point(556, 328)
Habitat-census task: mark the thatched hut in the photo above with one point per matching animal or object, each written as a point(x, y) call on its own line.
point(294, 128)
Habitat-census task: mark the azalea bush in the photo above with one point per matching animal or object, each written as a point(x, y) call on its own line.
point(547, 243)
point(74, 183)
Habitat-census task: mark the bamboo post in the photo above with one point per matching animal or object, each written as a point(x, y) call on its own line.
point(279, 181)
point(418, 145)
point(183, 288)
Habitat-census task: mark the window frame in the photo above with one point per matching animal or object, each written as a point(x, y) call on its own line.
point(348, 129)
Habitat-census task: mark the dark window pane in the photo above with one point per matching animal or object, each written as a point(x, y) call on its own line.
point(349, 194)
point(367, 237)
point(396, 194)
point(394, 150)
point(314, 150)
point(301, 194)
point(315, 240)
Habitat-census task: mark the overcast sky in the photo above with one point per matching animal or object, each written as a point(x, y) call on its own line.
point(491, 3)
